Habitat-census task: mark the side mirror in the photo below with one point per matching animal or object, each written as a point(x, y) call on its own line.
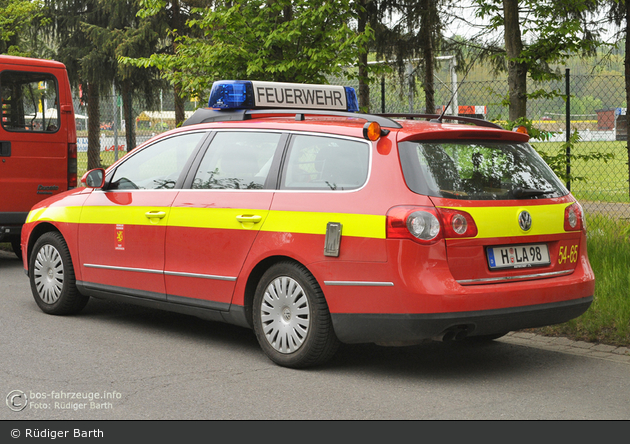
point(94, 178)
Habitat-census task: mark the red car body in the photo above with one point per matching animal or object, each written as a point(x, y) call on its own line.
point(205, 251)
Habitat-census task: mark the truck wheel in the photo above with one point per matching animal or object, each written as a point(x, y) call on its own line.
point(291, 318)
point(17, 248)
point(52, 277)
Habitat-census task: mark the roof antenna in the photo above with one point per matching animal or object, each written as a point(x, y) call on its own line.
point(439, 119)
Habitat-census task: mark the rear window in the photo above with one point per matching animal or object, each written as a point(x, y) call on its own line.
point(478, 170)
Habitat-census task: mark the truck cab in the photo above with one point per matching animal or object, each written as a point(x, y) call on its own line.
point(38, 141)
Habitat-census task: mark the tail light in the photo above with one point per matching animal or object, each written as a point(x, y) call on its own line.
point(427, 225)
point(457, 223)
point(72, 165)
point(574, 218)
point(420, 224)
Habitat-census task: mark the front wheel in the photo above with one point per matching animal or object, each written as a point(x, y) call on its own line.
point(52, 277)
point(291, 318)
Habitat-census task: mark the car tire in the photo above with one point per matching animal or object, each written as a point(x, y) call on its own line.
point(17, 248)
point(51, 274)
point(291, 318)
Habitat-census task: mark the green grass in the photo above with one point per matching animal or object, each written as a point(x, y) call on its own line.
point(603, 181)
point(608, 319)
point(107, 158)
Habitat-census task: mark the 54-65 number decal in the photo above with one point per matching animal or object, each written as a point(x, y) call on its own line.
point(568, 253)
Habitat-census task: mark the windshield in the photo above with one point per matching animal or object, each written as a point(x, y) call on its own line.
point(478, 171)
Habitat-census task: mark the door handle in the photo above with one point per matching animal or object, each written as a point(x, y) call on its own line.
point(249, 218)
point(5, 149)
point(155, 214)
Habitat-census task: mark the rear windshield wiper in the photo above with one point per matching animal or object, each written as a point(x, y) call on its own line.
point(523, 193)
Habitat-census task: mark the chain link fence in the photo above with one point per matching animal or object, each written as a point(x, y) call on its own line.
point(148, 121)
point(599, 176)
point(597, 112)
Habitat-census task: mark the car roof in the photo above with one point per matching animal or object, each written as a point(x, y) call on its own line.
point(351, 124)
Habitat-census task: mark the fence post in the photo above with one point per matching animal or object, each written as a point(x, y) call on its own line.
point(568, 127)
point(115, 124)
point(383, 94)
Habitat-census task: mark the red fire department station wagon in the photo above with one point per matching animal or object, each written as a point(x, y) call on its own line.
point(279, 209)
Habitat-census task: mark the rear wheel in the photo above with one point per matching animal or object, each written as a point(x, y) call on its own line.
point(52, 277)
point(291, 318)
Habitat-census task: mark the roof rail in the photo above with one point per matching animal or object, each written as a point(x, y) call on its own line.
point(206, 115)
point(435, 117)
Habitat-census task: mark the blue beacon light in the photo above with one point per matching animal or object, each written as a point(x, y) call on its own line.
point(246, 94)
point(232, 94)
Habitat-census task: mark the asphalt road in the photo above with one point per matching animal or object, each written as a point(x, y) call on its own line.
point(116, 361)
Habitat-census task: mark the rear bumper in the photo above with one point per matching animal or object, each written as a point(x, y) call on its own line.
point(353, 328)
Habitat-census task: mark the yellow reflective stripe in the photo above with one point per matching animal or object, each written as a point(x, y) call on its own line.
point(503, 221)
point(122, 215)
point(357, 225)
point(57, 214)
point(220, 218)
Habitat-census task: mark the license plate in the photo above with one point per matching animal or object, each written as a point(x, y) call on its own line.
point(518, 256)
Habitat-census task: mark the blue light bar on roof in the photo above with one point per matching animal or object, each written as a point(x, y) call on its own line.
point(246, 94)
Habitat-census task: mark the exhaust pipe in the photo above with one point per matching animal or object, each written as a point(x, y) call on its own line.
point(455, 333)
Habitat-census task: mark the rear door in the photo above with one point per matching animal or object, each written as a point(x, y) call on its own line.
point(33, 140)
point(214, 222)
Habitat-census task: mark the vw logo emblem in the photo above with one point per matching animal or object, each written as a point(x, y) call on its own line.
point(525, 220)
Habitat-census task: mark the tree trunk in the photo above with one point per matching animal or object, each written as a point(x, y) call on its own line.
point(627, 70)
point(364, 86)
point(177, 100)
point(517, 72)
point(94, 128)
point(179, 106)
point(426, 33)
point(130, 122)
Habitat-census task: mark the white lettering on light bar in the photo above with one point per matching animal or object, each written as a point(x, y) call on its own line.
point(296, 95)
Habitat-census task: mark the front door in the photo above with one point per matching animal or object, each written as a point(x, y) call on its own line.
point(122, 229)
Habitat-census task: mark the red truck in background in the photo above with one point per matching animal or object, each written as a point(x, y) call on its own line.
point(38, 139)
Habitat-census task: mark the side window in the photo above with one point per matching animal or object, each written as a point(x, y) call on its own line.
point(157, 166)
point(326, 163)
point(237, 160)
point(30, 101)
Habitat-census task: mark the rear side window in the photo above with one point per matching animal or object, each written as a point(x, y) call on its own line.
point(237, 161)
point(478, 171)
point(326, 163)
point(30, 101)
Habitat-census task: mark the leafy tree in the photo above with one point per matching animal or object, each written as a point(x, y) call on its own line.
point(537, 35)
point(16, 19)
point(275, 40)
point(172, 17)
point(406, 30)
point(126, 34)
point(84, 54)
